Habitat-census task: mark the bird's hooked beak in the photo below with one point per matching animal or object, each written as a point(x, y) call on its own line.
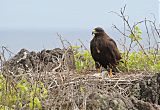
point(94, 32)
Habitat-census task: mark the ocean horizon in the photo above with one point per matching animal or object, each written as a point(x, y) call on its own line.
point(37, 40)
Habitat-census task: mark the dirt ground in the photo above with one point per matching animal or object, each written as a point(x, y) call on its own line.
point(69, 90)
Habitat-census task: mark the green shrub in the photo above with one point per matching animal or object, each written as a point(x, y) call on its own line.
point(141, 62)
point(21, 95)
point(83, 59)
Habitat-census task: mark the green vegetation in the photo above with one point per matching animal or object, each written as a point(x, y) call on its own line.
point(136, 34)
point(138, 61)
point(83, 58)
point(22, 95)
point(143, 60)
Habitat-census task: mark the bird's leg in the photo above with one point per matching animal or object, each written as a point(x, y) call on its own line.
point(110, 73)
point(110, 70)
point(99, 70)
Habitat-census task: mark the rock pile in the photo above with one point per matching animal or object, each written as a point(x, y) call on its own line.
point(47, 60)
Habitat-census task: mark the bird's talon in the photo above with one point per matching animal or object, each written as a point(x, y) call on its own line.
point(110, 73)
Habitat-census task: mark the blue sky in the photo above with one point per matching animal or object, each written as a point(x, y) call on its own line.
point(72, 18)
point(48, 14)
point(51, 14)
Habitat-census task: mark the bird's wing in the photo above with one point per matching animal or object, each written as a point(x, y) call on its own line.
point(92, 48)
point(114, 52)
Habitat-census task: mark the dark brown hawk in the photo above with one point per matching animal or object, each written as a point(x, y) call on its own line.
point(104, 50)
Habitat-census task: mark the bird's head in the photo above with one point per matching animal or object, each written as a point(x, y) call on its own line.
point(98, 31)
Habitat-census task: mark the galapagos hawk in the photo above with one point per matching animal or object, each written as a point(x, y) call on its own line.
point(104, 51)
